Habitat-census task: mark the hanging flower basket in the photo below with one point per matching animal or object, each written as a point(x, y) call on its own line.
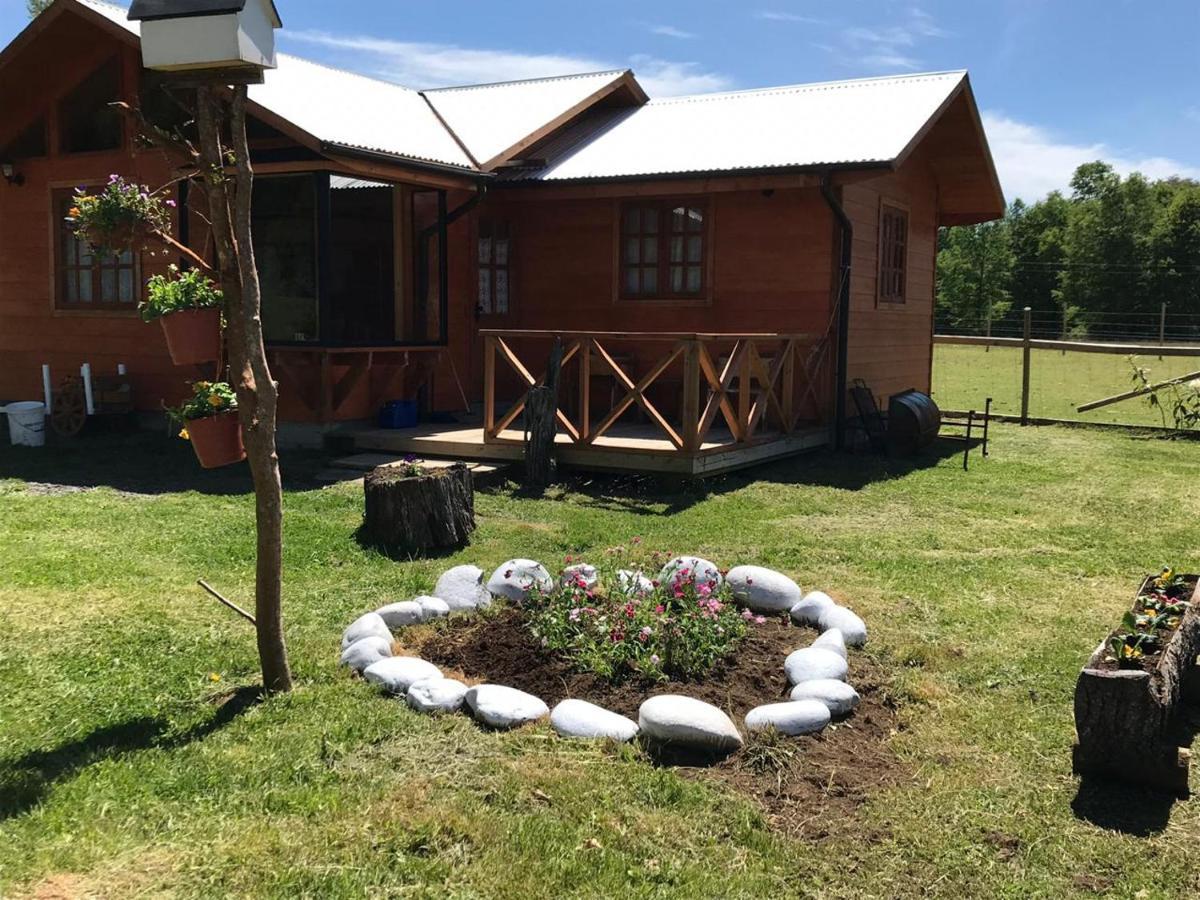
point(210, 422)
point(193, 335)
point(188, 305)
point(122, 217)
point(217, 440)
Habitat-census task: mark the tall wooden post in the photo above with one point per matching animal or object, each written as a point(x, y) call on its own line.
point(1026, 354)
point(690, 408)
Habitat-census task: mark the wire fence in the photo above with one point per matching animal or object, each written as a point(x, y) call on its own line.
point(1162, 326)
point(1041, 379)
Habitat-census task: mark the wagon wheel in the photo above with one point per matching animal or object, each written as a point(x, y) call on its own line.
point(69, 408)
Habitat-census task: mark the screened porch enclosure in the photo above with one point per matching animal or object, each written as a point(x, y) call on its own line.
point(347, 263)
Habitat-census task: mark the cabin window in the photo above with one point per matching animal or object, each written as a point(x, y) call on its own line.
point(664, 250)
point(495, 274)
point(284, 221)
point(893, 253)
point(86, 280)
point(87, 122)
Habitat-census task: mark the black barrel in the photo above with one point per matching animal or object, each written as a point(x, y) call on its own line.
point(913, 422)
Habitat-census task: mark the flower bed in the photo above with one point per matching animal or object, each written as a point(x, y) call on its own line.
point(1147, 629)
point(674, 628)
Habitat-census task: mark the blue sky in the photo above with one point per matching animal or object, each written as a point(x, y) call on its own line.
point(1059, 81)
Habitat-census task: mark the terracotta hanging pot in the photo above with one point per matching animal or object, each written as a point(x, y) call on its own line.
point(193, 335)
point(217, 440)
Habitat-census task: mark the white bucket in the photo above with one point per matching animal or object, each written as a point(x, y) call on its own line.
point(27, 423)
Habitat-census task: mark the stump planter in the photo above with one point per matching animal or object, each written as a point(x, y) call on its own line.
point(410, 515)
point(217, 440)
point(193, 335)
point(1126, 718)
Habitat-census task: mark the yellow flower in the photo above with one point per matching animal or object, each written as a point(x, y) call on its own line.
point(183, 433)
point(215, 400)
point(213, 676)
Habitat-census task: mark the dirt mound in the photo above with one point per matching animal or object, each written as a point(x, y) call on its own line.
point(799, 781)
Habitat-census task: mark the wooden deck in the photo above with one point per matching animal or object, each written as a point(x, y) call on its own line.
point(624, 448)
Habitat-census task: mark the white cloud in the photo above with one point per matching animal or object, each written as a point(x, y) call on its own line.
point(426, 65)
point(772, 16)
point(1032, 162)
point(889, 46)
point(672, 32)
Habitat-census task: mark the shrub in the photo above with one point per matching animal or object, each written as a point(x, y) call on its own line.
point(178, 291)
point(675, 630)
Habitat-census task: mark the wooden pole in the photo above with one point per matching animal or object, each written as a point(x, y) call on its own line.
point(1026, 355)
point(1139, 392)
point(690, 410)
point(1162, 326)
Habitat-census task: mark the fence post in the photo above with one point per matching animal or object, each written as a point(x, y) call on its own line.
point(1162, 326)
point(1025, 359)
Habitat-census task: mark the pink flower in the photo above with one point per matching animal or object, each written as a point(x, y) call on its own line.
point(645, 633)
point(629, 610)
point(747, 615)
point(660, 609)
point(760, 620)
point(654, 660)
point(574, 615)
point(171, 203)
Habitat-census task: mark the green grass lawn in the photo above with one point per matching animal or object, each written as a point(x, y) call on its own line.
point(133, 763)
point(964, 376)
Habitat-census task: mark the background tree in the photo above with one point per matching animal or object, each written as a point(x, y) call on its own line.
point(1038, 239)
point(37, 7)
point(975, 265)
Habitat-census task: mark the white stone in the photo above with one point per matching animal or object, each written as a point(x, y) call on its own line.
point(763, 590)
point(840, 697)
point(633, 584)
point(432, 608)
point(580, 719)
point(688, 722)
point(366, 651)
point(572, 575)
point(437, 695)
point(462, 588)
point(832, 640)
point(796, 717)
point(504, 707)
point(518, 578)
point(853, 629)
point(397, 674)
point(367, 625)
point(811, 663)
point(401, 615)
point(698, 569)
point(808, 610)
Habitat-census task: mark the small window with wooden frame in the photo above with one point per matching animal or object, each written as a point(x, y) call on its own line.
point(84, 280)
point(495, 268)
point(664, 251)
point(893, 253)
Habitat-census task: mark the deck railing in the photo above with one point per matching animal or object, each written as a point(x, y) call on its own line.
point(754, 382)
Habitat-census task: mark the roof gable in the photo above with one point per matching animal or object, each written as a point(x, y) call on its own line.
point(495, 122)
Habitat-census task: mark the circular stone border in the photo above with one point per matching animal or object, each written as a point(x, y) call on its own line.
point(815, 608)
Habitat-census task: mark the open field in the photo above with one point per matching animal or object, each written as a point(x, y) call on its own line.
point(134, 759)
point(963, 376)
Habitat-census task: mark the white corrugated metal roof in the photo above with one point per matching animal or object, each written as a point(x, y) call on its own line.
point(347, 183)
point(833, 123)
point(491, 118)
point(340, 107)
point(867, 121)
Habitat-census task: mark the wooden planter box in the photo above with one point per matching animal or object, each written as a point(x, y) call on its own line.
point(411, 515)
point(1126, 719)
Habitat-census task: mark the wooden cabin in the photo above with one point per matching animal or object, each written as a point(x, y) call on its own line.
point(718, 267)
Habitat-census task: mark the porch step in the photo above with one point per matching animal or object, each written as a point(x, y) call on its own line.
point(352, 468)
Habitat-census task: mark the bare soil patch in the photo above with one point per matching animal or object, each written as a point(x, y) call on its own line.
point(798, 781)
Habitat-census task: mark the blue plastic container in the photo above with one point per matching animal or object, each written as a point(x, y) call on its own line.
point(398, 414)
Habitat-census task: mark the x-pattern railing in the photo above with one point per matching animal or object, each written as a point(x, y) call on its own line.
point(761, 377)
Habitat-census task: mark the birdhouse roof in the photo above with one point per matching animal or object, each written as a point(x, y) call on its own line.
point(149, 10)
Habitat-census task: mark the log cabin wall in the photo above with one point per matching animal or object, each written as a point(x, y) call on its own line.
point(32, 330)
point(891, 344)
point(770, 263)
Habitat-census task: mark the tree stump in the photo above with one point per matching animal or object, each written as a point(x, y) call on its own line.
point(1126, 720)
point(409, 515)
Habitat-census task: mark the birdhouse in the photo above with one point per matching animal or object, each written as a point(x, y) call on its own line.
point(233, 37)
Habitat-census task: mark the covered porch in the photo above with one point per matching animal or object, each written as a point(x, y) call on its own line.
point(690, 404)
